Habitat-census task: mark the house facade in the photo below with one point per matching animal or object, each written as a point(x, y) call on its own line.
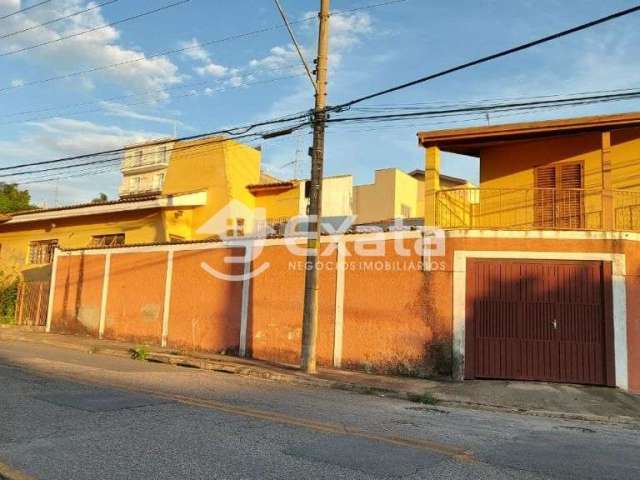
point(144, 167)
point(531, 275)
point(544, 252)
point(282, 200)
point(198, 179)
point(395, 194)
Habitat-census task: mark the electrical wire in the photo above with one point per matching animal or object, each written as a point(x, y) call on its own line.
point(233, 132)
point(151, 100)
point(503, 53)
point(175, 51)
point(58, 19)
point(488, 108)
point(94, 29)
point(108, 164)
point(285, 20)
point(22, 10)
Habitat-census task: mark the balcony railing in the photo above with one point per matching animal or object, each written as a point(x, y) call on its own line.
point(151, 162)
point(538, 209)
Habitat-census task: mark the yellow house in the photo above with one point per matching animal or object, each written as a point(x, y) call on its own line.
point(282, 200)
point(171, 191)
point(395, 194)
point(201, 178)
point(569, 174)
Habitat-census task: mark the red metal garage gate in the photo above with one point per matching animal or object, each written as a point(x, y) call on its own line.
point(539, 320)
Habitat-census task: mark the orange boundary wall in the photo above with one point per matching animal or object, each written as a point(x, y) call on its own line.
point(392, 317)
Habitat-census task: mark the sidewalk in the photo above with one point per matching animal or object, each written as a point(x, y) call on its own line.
point(546, 399)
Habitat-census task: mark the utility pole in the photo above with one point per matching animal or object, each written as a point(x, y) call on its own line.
point(310, 319)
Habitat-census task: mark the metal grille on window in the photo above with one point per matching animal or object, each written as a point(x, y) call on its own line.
point(114, 240)
point(41, 252)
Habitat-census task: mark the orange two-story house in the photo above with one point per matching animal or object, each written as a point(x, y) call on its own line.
point(545, 251)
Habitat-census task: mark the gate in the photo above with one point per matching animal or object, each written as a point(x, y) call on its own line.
point(539, 320)
point(32, 303)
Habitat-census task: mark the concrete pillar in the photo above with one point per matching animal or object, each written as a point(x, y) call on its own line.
point(431, 184)
point(607, 184)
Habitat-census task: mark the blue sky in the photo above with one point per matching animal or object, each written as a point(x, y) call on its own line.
point(257, 77)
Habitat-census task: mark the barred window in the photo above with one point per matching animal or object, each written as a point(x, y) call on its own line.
point(113, 240)
point(41, 251)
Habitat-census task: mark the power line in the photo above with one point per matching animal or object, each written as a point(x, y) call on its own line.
point(176, 147)
point(145, 102)
point(496, 107)
point(139, 59)
point(284, 69)
point(94, 29)
point(107, 165)
point(471, 102)
point(244, 132)
point(58, 19)
point(488, 58)
point(236, 132)
point(185, 49)
point(22, 10)
point(295, 42)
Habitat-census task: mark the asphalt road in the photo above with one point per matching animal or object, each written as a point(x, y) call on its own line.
point(66, 414)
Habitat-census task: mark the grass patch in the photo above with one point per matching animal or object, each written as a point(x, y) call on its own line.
point(140, 352)
point(425, 398)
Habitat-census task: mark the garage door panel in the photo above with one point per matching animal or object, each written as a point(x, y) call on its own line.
point(535, 320)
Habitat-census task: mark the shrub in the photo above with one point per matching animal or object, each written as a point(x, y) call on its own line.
point(427, 398)
point(8, 297)
point(140, 353)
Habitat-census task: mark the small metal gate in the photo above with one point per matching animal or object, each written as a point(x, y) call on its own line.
point(539, 320)
point(32, 303)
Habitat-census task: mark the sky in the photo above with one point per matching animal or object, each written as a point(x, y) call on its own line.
point(212, 84)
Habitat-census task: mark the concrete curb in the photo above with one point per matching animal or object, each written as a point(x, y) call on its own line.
point(368, 389)
point(247, 369)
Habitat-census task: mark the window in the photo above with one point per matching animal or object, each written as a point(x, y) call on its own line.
point(41, 252)
point(158, 181)
point(165, 153)
point(405, 211)
point(134, 184)
point(235, 228)
point(112, 240)
point(138, 158)
point(559, 196)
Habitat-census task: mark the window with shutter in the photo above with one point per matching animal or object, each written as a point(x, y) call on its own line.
point(544, 197)
point(570, 198)
point(559, 196)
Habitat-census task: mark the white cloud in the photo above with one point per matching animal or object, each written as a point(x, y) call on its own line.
point(66, 136)
point(61, 137)
point(17, 82)
point(237, 81)
point(279, 57)
point(125, 111)
point(97, 48)
point(348, 29)
point(9, 6)
point(195, 51)
point(212, 69)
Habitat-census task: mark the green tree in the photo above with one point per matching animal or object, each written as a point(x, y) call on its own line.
point(13, 199)
point(101, 198)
